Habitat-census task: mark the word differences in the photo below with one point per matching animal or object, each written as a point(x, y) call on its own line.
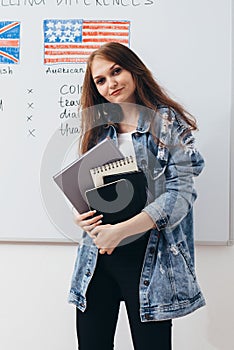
point(84, 3)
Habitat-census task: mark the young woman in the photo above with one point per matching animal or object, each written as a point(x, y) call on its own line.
point(154, 274)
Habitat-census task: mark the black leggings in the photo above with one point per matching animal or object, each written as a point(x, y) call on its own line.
point(116, 278)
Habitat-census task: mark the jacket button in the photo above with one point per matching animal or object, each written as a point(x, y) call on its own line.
point(147, 316)
point(88, 273)
point(146, 282)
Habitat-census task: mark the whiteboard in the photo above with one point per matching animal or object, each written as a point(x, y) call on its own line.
point(187, 45)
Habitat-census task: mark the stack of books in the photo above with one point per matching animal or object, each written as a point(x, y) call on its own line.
point(105, 181)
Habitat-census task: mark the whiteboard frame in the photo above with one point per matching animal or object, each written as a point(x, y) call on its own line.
point(230, 241)
point(28, 240)
point(231, 193)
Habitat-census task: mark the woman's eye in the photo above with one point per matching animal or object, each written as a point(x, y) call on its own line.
point(100, 81)
point(117, 70)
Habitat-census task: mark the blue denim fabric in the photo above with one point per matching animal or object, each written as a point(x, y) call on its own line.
point(168, 287)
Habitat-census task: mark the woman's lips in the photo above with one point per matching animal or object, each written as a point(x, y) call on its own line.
point(116, 92)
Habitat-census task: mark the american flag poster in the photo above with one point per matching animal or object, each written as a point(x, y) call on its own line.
point(72, 41)
point(9, 42)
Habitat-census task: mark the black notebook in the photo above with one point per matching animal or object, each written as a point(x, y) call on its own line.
point(121, 197)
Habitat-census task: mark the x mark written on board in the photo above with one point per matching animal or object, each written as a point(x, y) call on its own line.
point(31, 133)
point(30, 91)
point(29, 118)
point(31, 105)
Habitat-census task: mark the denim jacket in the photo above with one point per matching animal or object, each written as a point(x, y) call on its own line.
point(168, 286)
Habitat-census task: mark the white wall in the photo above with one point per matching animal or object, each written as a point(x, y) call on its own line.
point(35, 315)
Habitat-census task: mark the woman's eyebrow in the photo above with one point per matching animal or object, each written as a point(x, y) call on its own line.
point(98, 76)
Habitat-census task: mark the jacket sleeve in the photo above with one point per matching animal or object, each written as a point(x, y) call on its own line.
point(184, 162)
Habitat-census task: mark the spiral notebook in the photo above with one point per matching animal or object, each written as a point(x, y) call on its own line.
point(124, 165)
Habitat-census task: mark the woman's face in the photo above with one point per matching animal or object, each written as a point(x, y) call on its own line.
point(113, 82)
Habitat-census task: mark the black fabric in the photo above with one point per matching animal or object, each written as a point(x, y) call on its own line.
point(116, 278)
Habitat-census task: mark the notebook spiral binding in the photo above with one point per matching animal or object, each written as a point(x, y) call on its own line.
point(113, 165)
point(122, 165)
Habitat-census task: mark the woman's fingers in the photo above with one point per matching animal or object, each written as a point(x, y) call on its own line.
point(81, 217)
point(88, 224)
point(89, 228)
point(103, 238)
point(92, 221)
point(106, 250)
point(102, 251)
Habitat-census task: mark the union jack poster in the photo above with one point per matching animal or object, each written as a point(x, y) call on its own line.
point(73, 40)
point(9, 42)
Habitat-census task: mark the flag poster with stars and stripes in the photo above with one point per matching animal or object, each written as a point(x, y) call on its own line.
point(72, 41)
point(9, 42)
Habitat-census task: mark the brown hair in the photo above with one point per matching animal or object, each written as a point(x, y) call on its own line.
point(148, 92)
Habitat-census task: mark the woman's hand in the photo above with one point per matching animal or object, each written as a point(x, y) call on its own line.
point(88, 222)
point(106, 238)
point(109, 236)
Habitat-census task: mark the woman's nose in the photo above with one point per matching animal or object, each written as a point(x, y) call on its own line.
point(113, 83)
